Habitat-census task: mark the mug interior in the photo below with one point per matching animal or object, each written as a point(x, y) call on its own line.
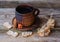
point(24, 9)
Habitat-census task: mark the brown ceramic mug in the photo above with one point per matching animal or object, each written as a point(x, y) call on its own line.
point(25, 14)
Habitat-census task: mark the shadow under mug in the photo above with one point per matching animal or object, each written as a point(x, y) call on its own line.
point(26, 14)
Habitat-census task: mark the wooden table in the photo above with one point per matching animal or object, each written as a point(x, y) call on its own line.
point(6, 14)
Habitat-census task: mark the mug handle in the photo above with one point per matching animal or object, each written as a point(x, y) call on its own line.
point(36, 12)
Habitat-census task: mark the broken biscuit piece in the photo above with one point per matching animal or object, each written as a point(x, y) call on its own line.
point(41, 34)
point(47, 33)
point(44, 32)
point(11, 33)
point(7, 25)
point(26, 34)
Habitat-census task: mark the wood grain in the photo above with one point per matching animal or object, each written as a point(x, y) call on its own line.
point(6, 14)
point(35, 3)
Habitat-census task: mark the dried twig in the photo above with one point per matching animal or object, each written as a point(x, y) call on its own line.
point(45, 29)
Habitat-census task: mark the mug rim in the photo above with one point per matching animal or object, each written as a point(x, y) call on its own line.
point(25, 6)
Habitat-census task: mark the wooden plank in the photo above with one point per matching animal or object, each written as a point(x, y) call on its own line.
point(43, 4)
point(6, 14)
